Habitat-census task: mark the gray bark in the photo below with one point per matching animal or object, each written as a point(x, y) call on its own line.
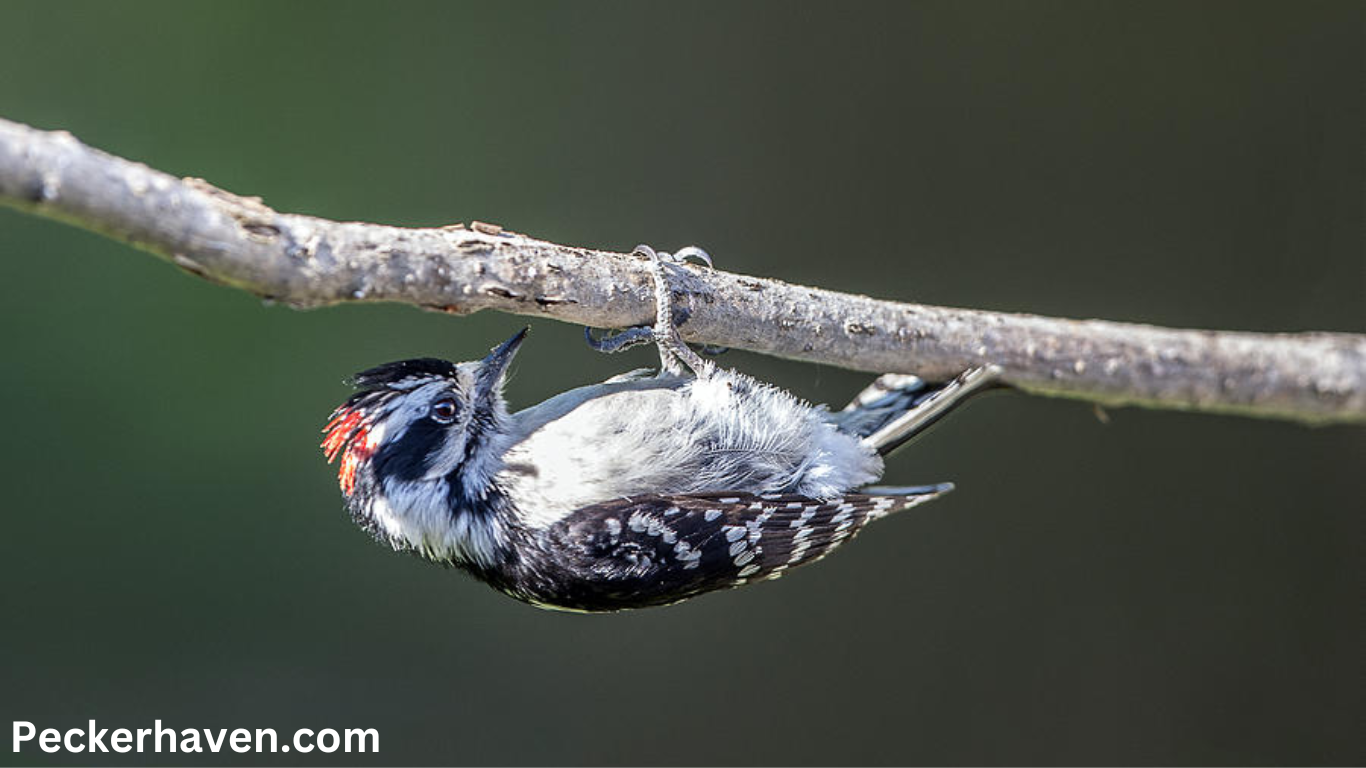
point(311, 262)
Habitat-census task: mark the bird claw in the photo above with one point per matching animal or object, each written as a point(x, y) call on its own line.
point(674, 353)
point(680, 256)
point(618, 342)
point(637, 335)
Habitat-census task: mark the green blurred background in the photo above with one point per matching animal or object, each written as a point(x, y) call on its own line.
point(1162, 588)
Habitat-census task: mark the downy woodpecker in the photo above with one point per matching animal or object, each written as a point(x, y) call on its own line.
point(643, 490)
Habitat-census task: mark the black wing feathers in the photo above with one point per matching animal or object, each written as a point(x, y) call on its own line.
point(655, 550)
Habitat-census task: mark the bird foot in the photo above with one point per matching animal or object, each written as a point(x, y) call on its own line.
point(674, 353)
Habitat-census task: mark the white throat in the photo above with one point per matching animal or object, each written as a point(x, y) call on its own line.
point(417, 516)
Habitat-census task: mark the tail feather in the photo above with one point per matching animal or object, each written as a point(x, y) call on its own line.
point(889, 396)
point(907, 490)
point(897, 407)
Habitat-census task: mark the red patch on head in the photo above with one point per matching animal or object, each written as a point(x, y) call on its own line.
point(348, 436)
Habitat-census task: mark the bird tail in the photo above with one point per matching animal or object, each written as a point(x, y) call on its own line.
point(897, 407)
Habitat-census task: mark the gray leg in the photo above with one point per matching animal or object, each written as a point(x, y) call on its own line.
point(673, 352)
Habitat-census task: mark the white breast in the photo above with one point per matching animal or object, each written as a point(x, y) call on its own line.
point(725, 433)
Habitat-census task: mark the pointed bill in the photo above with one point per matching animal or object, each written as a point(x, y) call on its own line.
point(493, 367)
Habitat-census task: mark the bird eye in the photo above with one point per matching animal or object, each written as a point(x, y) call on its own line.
point(443, 411)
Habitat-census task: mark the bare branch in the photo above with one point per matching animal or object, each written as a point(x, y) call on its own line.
point(309, 262)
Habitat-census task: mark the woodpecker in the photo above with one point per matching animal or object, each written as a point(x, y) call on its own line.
point(643, 490)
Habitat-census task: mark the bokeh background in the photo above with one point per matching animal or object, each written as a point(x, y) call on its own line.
point(1161, 588)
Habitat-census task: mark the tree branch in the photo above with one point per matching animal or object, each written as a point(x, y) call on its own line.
point(309, 262)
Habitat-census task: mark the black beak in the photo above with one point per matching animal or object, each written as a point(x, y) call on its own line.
point(492, 368)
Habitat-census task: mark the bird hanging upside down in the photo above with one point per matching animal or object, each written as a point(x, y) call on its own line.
point(643, 490)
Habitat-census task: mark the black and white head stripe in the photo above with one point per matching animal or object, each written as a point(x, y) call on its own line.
point(405, 374)
point(379, 385)
point(655, 550)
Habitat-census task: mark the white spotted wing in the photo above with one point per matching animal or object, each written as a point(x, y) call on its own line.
point(662, 549)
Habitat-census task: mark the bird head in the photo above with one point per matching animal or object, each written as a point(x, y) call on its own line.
point(419, 444)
